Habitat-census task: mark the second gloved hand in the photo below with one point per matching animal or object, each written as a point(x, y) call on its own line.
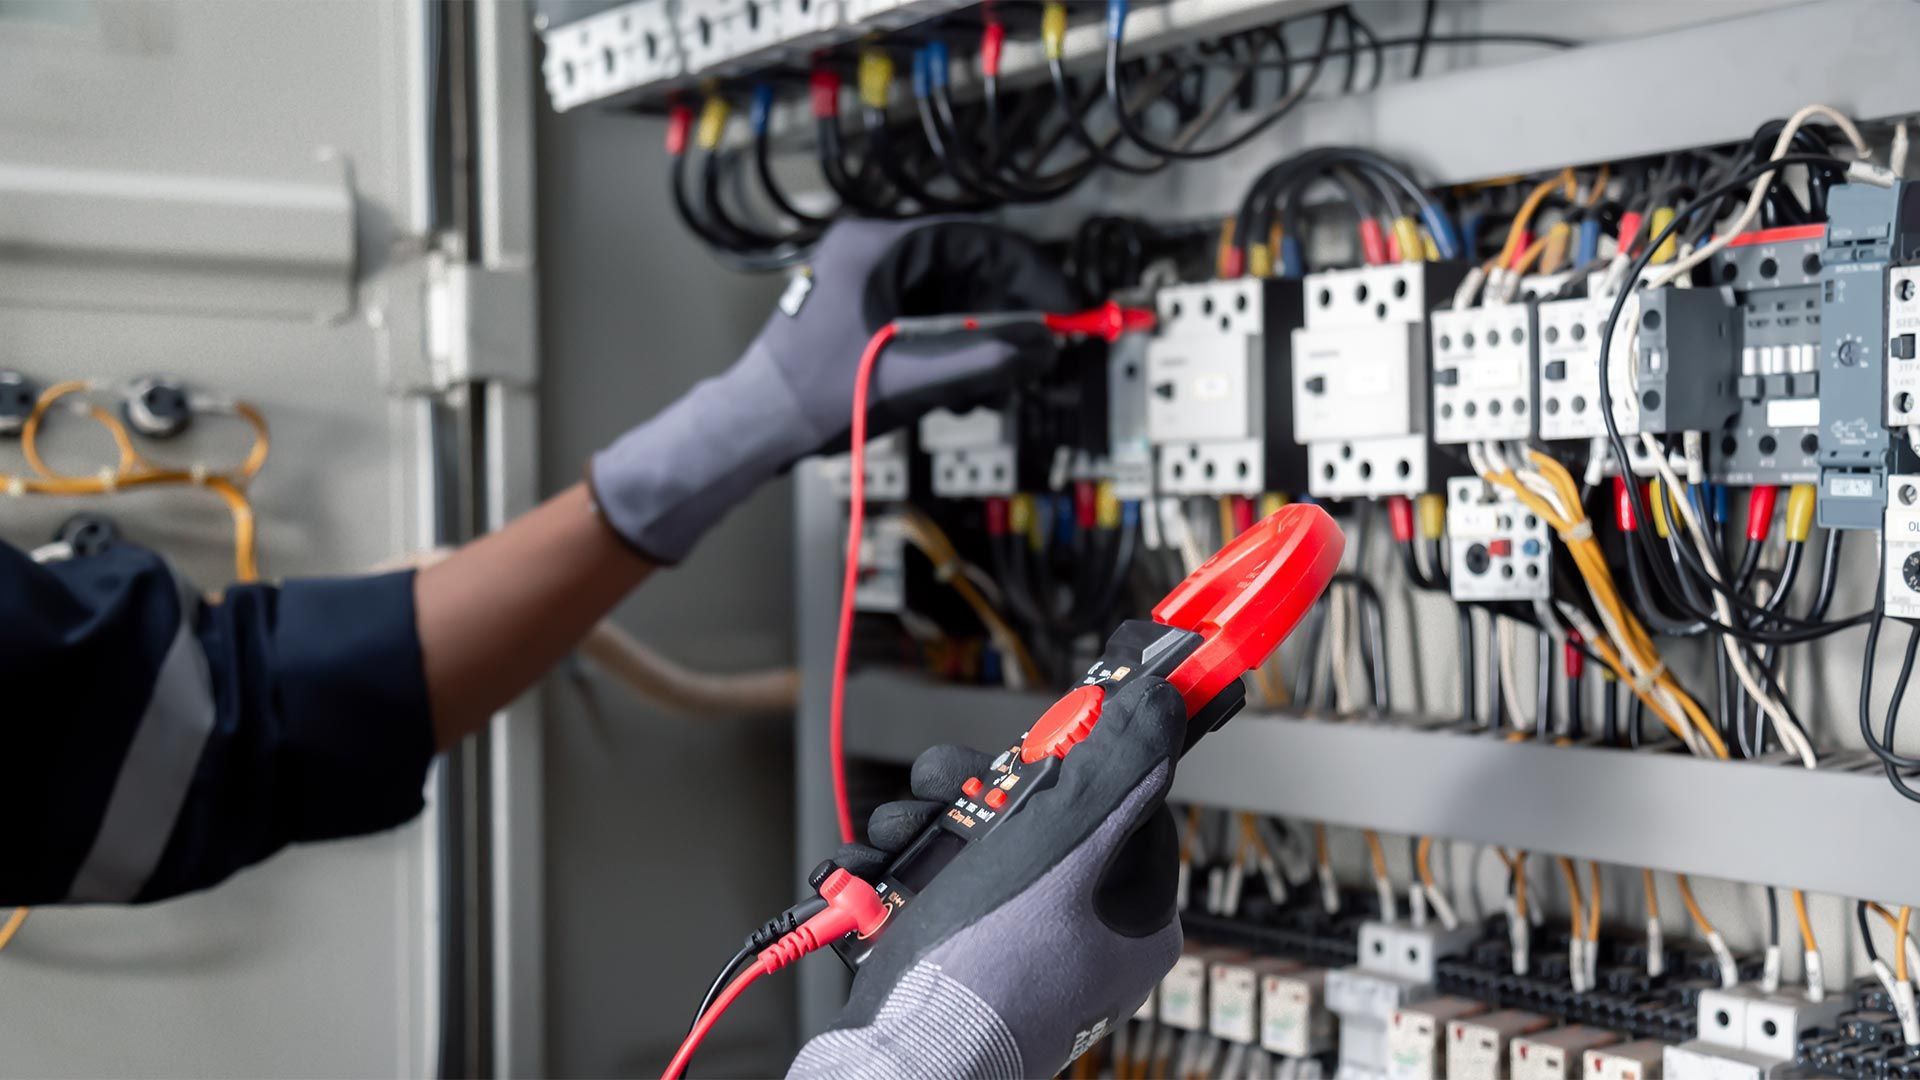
point(1042, 936)
point(666, 482)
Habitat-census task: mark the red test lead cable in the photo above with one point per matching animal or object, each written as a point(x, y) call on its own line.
point(1108, 321)
point(852, 908)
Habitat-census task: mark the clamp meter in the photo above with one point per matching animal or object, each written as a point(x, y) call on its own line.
point(1224, 620)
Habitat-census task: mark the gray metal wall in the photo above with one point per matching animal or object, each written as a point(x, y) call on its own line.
point(667, 838)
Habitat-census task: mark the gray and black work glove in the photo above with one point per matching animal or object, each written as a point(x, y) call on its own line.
point(1038, 939)
point(664, 483)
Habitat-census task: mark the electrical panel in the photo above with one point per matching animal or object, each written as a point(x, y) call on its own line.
point(1775, 278)
point(1498, 548)
point(1868, 228)
point(1360, 380)
point(1216, 378)
point(974, 452)
point(886, 469)
point(1484, 386)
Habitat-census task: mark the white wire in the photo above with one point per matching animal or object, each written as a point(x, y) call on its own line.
point(1509, 678)
point(1343, 693)
point(1790, 733)
point(58, 551)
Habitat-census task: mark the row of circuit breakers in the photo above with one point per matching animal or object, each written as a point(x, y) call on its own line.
point(1797, 362)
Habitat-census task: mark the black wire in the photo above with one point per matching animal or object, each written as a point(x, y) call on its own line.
point(1890, 761)
point(723, 250)
point(1465, 618)
point(1426, 37)
point(1116, 99)
point(763, 165)
point(1773, 916)
point(1543, 688)
point(1650, 612)
point(720, 982)
point(1357, 27)
point(1866, 932)
point(880, 150)
point(1609, 711)
point(850, 188)
point(1794, 630)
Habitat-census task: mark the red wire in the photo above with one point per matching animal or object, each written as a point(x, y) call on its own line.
point(856, 520)
point(707, 1019)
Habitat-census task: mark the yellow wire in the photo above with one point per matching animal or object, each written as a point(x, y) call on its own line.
point(1653, 894)
point(1599, 189)
point(1321, 856)
point(932, 541)
point(1900, 942)
point(1519, 865)
point(1572, 878)
point(1699, 917)
point(1423, 858)
point(12, 926)
point(1807, 943)
point(1564, 180)
point(1593, 901)
point(1377, 854)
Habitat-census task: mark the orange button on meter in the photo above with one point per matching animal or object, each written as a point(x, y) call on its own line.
point(996, 799)
point(1062, 727)
point(971, 789)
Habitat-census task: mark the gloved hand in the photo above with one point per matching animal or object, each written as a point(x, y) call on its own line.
point(666, 482)
point(1038, 939)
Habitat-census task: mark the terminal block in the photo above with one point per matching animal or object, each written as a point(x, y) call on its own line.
point(1235, 1010)
point(1498, 547)
point(886, 469)
point(1484, 374)
point(1130, 450)
point(974, 452)
point(1868, 229)
point(1361, 402)
point(1217, 376)
point(1638, 1060)
point(1365, 1002)
point(1901, 535)
point(1775, 278)
point(1294, 1020)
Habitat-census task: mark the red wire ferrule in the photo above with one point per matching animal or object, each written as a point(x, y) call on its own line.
point(1520, 249)
point(1373, 242)
point(1107, 321)
point(1400, 516)
point(1086, 504)
point(993, 41)
point(1233, 263)
point(1393, 245)
point(1760, 512)
point(825, 93)
point(1629, 225)
point(1242, 514)
point(1623, 506)
point(996, 517)
point(1575, 660)
point(679, 126)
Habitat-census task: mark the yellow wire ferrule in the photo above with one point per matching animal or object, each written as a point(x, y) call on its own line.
point(876, 77)
point(1662, 217)
point(1406, 233)
point(1271, 502)
point(1106, 504)
point(1658, 491)
point(1432, 510)
point(1020, 515)
point(713, 122)
point(1053, 30)
point(1799, 512)
point(1260, 260)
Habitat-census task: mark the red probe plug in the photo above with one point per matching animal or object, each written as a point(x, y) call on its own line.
point(1108, 321)
point(1760, 512)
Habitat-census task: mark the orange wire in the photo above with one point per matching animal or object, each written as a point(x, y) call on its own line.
point(1593, 901)
point(1653, 894)
point(1377, 853)
point(1807, 943)
point(1423, 858)
point(12, 926)
point(1572, 878)
point(1693, 906)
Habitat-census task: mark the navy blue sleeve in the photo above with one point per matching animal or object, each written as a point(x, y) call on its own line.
point(160, 743)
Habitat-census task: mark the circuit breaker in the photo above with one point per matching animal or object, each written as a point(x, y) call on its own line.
point(1216, 380)
point(1484, 374)
point(1902, 538)
point(1499, 548)
point(886, 469)
point(1569, 360)
point(974, 453)
point(1903, 350)
point(1775, 278)
point(1868, 228)
point(1685, 361)
point(1129, 449)
point(1360, 380)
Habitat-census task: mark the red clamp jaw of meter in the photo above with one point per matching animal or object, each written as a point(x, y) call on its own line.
point(1225, 619)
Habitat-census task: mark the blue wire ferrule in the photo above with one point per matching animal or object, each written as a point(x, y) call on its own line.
point(1116, 19)
point(1293, 261)
point(1589, 248)
point(762, 108)
point(1130, 514)
point(922, 83)
point(1063, 520)
point(938, 64)
point(1445, 239)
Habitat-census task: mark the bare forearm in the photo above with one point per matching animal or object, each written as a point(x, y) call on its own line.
point(496, 615)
